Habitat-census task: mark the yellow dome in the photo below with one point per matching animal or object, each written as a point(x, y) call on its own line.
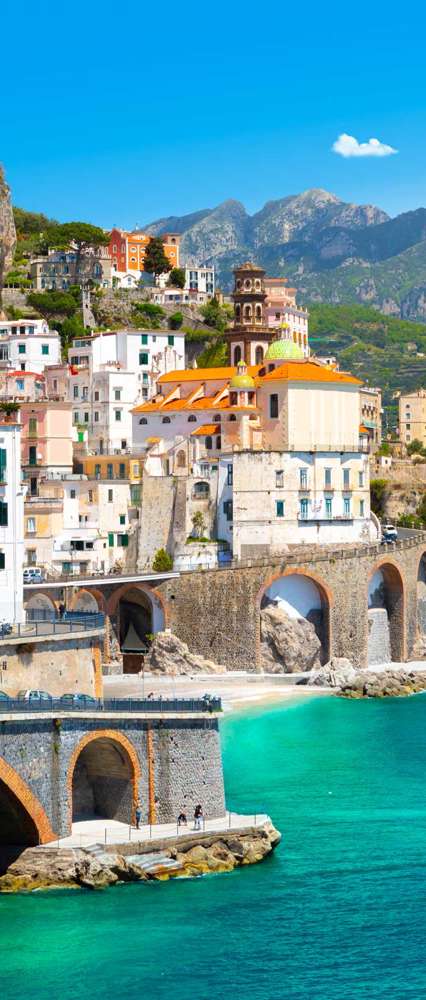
point(242, 380)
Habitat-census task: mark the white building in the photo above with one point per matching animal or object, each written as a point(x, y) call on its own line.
point(11, 524)
point(199, 287)
point(28, 345)
point(102, 406)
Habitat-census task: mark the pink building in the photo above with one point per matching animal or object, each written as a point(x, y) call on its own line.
point(20, 385)
point(46, 441)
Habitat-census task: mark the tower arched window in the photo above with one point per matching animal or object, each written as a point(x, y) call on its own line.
point(165, 420)
point(259, 355)
point(237, 354)
point(247, 312)
point(143, 420)
point(259, 312)
point(237, 312)
point(192, 419)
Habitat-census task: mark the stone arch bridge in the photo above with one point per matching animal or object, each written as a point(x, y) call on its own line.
point(362, 600)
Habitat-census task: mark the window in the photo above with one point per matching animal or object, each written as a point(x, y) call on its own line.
point(31, 525)
point(328, 508)
point(304, 509)
point(227, 509)
point(3, 464)
point(32, 455)
point(165, 420)
point(232, 417)
point(229, 474)
point(123, 540)
point(32, 426)
point(96, 396)
point(327, 477)
point(110, 470)
point(144, 339)
point(237, 354)
point(408, 427)
point(76, 417)
point(218, 442)
point(3, 514)
point(2, 560)
point(96, 416)
point(143, 358)
point(117, 394)
point(22, 366)
point(143, 420)
point(45, 348)
point(85, 392)
point(259, 355)
point(279, 504)
point(362, 508)
point(170, 340)
point(86, 418)
point(117, 415)
point(97, 471)
point(110, 496)
point(20, 385)
point(209, 443)
point(279, 479)
point(360, 479)
point(145, 377)
point(122, 470)
point(346, 506)
point(110, 539)
point(22, 349)
point(122, 518)
point(303, 475)
point(75, 391)
point(192, 419)
point(123, 445)
point(90, 496)
point(273, 405)
point(181, 460)
point(31, 557)
point(346, 473)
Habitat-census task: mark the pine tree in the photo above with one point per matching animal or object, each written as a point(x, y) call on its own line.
point(155, 261)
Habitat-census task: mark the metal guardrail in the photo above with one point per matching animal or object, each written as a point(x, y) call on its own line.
point(60, 626)
point(119, 705)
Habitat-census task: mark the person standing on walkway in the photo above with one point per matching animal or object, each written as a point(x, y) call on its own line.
point(198, 815)
point(138, 815)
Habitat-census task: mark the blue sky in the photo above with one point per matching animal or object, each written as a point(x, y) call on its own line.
point(119, 115)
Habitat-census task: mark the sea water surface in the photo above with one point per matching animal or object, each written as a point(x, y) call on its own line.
point(339, 911)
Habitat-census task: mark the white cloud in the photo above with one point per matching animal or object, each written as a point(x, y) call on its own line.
point(347, 145)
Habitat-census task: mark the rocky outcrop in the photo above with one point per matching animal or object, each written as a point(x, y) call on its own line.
point(7, 230)
point(289, 645)
point(169, 655)
point(97, 868)
point(340, 676)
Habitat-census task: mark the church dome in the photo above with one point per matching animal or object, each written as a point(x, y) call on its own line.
point(284, 350)
point(242, 380)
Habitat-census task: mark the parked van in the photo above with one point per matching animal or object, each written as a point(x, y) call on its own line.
point(33, 574)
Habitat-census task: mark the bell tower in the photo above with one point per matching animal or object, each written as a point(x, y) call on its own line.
point(249, 338)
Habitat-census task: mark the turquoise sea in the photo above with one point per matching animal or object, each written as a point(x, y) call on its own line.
point(338, 912)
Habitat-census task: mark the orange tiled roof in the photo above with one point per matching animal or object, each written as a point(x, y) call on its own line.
point(204, 374)
point(307, 371)
point(206, 429)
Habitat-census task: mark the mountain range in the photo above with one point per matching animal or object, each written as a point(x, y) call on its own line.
point(331, 250)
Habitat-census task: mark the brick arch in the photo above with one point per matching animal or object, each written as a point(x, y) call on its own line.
point(327, 601)
point(151, 592)
point(396, 590)
point(124, 743)
point(97, 594)
point(28, 801)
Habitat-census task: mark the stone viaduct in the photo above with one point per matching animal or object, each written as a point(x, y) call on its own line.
point(59, 766)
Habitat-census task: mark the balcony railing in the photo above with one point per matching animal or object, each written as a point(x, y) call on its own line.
point(324, 517)
point(59, 626)
point(150, 706)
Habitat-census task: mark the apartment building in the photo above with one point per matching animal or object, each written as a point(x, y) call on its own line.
point(28, 345)
point(127, 250)
point(412, 417)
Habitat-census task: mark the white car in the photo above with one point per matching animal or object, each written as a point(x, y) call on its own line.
point(389, 533)
point(32, 574)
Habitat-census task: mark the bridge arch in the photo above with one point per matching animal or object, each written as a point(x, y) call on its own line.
point(22, 816)
point(386, 601)
point(139, 611)
point(103, 777)
point(302, 594)
point(88, 599)
point(40, 605)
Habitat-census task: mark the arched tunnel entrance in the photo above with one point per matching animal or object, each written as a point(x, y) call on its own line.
point(16, 825)
point(305, 601)
point(103, 782)
point(385, 615)
point(139, 616)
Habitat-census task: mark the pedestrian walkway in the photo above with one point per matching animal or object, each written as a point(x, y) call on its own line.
point(111, 831)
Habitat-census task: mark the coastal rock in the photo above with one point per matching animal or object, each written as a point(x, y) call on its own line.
point(338, 672)
point(169, 655)
point(289, 645)
point(7, 231)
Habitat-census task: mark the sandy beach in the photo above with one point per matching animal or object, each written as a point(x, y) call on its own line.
point(237, 689)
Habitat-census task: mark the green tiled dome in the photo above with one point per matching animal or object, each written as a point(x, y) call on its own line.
point(284, 350)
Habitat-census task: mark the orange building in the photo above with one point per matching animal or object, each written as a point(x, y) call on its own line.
point(127, 250)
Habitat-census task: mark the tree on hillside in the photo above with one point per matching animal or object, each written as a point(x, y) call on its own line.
point(177, 277)
point(216, 315)
point(61, 309)
point(155, 261)
point(78, 236)
point(415, 447)
point(379, 492)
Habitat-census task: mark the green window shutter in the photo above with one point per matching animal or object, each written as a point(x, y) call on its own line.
point(122, 518)
point(111, 539)
point(22, 349)
point(81, 436)
point(2, 560)
point(123, 540)
point(144, 339)
point(3, 514)
point(143, 358)
point(45, 348)
point(170, 340)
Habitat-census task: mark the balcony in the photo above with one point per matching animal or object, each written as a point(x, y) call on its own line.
point(324, 518)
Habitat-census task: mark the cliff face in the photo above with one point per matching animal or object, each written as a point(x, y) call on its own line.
point(7, 230)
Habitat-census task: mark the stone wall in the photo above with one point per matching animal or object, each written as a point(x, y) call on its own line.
point(186, 765)
point(156, 518)
point(56, 667)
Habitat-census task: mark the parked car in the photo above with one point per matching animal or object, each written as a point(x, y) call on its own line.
point(82, 700)
point(34, 695)
point(389, 533)
point(33, 574)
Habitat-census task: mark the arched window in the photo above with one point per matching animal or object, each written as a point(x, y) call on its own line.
point(237, 354)
point(259, 355)
point(165, 420)
point(143, 420)
point(201, 491)
point(247, 312)
point(232, 417)
point(237, 312)
point(209, 443)
point(258, 312)
point(181, 459)
point(247, 283)
point(218, 441)
point(192, 419)
point(217, 418)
